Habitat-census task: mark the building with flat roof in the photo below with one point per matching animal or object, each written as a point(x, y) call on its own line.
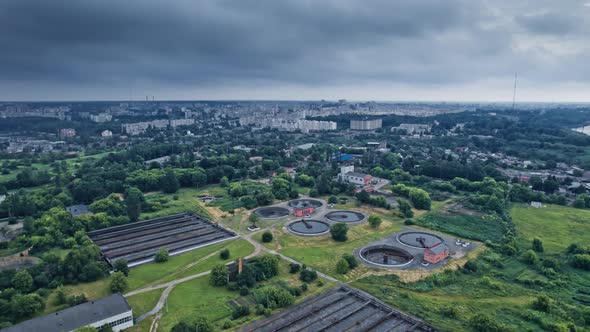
point(112, 311)
point(366, 124)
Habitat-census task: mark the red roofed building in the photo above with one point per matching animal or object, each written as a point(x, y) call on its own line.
point(436, 253)
point(301, 212)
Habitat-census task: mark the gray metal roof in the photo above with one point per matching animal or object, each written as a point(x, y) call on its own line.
point(358, 175)
point(75, 317)
point(437, 249)
point(78, 210)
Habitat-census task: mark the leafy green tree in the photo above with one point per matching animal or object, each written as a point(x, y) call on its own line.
point(267, 237)
point(253, 219)
point(134, 200)
point(224, 182)
point(375, 221)
point(420, 199)
point(333, 200)
point(61, 296)
point(169, 182)
point(161, 256)
point(352, 262)
point(22, 281)
point(406, 209)
point(342, 266)
point(483, 323)
point(24, 306)
point(538, 245)
point(224, 254)
point(218, 275)
point(118, 283)
point(122, 266)
point(339, 232)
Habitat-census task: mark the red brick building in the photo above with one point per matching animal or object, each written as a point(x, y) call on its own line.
point(304, 211)
point(436, 253)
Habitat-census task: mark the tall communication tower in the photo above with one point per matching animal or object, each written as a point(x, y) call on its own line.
point(514, 91)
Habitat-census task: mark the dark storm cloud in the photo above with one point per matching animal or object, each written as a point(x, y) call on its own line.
point(102, 44)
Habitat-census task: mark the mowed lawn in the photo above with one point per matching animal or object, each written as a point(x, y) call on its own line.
point(322, 253)
point(557, 226)
point(144, 302)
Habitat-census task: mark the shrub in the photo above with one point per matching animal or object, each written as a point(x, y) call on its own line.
point(342, 266)
point(542, 303)
point(233, 286)
point(308, 275)
point(227, 325)
point(121, 266)
point(339, 232)
point(267, 237)
point(118, 282)
point(244, 291)
point(295, 291)
point(483, 323)
point(224, 254)
point(259, 309)
point(352, 262)
point(272, 296)
point(304, 287)
point(333, 200)
point(409, 222)
point(470, 267)
point(267, 312)
point(530, 257)
point(161, 256)
point(218, 275)
point(240, 311)
point(581, 261)
point(375, 221)
point(538, 245)
point(294, 268)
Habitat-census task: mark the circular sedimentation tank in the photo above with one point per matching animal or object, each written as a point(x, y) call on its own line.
point(419, 239)
point(386, 256)
point(305, 203)
point(272, 212)
point(309, 227)
point(345, 216)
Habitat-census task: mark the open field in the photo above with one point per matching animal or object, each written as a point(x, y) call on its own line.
point(557, 226)
point(198, 297)
point(144, 302)
point(187, 202)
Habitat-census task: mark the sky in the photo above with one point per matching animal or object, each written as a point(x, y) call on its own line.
point(382, 50)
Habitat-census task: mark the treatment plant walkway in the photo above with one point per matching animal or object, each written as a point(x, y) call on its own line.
point(169, 286)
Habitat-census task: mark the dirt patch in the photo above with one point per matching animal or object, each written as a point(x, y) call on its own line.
point(454, 209)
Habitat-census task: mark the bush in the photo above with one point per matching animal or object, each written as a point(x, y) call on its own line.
point(224, 254)
point(161, 256)
point(121, 266)
point(530, 257)
point(470, 267)
point(342, 266)
point(267, 312)
point(483, 323)
point(308, 275)
point(227, 324)
point(409, 222)
point(244, 291)
point(294, 268)
point(581, 261)
point(352, 262)
point(304, 287)
point(240, 311)
point(259, 309)
point(339, 232)
point(542, 303)
point(333, 200)
point(118, 282)
point(420, 199)
point(233, 286)
point(538, 245)
point(218, 275)
point(375, 221)
point(272, 296)
point(295, 291)
point(266, 237)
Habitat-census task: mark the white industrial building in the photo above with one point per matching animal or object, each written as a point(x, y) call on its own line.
point(111, 311)
point(366, 124)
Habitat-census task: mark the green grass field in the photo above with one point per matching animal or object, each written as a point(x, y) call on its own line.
point(479, 228)
point(187, 202)
point(198, 298)
point(557, 226)
point(176, 266)
point(144, 302)
point(322, 253)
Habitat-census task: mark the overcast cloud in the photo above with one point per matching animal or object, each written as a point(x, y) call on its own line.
point(294, 49)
